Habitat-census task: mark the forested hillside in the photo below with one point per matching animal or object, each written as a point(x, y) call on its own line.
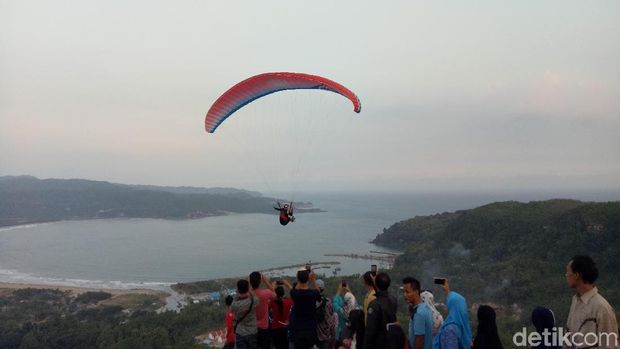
point(512, 253)
point(25, 199)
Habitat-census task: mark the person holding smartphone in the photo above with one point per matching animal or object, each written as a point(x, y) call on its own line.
point(265, 296)
point(369, 283)
point(343, 302)
point(381, 311)
point(455, 331)
point(304, 320)
point(280, 309)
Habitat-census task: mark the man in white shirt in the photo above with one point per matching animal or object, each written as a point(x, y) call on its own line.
point(591, 319)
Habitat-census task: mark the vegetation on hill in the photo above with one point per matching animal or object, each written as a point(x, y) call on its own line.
point(511, 254)
point(34, 318)
point(26, 199)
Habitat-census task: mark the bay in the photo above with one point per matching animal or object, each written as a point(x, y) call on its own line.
point(124, 253)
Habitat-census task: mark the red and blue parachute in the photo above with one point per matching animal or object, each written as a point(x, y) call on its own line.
point(263, 84)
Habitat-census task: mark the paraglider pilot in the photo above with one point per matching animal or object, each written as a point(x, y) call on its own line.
point(286, 213)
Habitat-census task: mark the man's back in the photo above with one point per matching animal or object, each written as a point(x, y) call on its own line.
point(245, 307)
point(305, 308)
point(381, 311)
point(265, 296)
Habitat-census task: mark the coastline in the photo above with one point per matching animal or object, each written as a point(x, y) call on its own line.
point(171, 299)
point(27, 224)
point(75, 290)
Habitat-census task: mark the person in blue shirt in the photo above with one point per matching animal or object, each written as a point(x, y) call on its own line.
point(421, 321)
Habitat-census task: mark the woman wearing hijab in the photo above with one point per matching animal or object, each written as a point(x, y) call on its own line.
point(428, 298)
point(543, 319)
point(338, 305)
point(455, 332)
point(487, 337)
point(353, 334)
point(350, 303)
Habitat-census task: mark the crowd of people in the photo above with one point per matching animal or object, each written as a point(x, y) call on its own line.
point(265, 317)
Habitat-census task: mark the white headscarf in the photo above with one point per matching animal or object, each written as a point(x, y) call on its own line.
point(429, 300)
point(349, 304)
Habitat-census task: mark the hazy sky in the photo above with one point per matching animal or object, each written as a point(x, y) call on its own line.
point(455, 95)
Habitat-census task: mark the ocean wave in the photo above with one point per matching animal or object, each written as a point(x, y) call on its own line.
point(14, 276)
point(23, 226)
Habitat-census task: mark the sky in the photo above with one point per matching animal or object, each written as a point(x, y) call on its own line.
point(462, 95)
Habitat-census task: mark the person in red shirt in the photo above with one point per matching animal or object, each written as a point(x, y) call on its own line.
point(280, 309)
point(265, 296)
point(230, 330)
point(286, 213)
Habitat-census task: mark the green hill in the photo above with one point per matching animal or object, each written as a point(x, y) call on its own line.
point(26, 199)
point(512, 253)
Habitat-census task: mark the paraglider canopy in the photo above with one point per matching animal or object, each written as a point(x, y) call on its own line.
point(261, 85)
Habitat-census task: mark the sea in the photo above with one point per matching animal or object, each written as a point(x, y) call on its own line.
point(151, 253)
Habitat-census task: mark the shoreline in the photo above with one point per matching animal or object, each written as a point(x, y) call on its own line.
point(76, 290)
point(23, 224)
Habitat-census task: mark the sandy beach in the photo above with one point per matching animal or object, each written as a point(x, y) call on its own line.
point(79, 290)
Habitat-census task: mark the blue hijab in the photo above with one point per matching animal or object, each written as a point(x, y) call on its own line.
point(457, 315)
point(543, 319)
point(337, 304)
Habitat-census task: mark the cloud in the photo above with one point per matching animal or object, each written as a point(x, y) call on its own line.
point(562, 95)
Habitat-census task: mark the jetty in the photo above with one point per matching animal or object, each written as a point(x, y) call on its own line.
point(315, 265)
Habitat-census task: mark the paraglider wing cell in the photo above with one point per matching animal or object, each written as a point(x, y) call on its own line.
point(261, 85)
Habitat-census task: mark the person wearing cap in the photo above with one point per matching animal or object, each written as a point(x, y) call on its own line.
point(326, 324)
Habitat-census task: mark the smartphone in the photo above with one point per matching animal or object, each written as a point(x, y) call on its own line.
point(279, 282)
point(439, 281)
point(373, 270)
point(344, 283)
point(308, 267)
